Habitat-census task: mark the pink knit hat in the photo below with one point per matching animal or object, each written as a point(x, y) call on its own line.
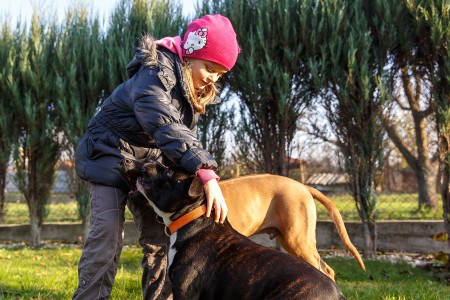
point(212, 38)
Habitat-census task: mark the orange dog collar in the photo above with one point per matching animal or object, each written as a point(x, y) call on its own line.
point(185, 219)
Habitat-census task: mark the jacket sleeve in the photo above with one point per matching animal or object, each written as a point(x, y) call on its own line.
point(162, 121)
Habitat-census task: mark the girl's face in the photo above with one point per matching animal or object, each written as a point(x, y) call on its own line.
point(205, 72)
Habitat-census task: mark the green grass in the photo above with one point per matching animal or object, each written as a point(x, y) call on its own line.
point(17, 213)
point(51, 273)
point(384, 280)
point(392, 206)
point(401, 206)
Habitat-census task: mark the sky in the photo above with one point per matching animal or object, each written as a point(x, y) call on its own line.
point(22, 9)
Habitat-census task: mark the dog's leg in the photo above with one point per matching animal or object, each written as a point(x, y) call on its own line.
point(298, 236)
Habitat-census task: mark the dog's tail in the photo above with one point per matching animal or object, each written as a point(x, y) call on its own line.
point(338, 221)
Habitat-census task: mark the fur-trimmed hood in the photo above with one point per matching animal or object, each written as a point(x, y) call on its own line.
point(145, 55)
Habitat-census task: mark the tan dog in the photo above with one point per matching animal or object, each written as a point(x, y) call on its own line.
point(284, 208)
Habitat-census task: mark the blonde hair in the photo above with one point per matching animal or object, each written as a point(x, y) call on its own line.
point(199, 99)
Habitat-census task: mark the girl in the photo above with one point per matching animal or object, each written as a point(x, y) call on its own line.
point(152, 114)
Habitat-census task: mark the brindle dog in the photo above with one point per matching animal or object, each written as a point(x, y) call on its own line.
point(276, 205)
point(208, 260)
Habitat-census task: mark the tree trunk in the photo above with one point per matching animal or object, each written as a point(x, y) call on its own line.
point(363, 194)
point(427, 188)
point(444, 165)
point(302, 171)
point(445, 193)
point(85, 225)
point(370, 239)
point(3, 171)
point(424, 169)
point(35, 224)
point(83, 201)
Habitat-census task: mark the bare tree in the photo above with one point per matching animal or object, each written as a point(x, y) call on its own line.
point(416, 150)
point(434, 36)
point(425, 45)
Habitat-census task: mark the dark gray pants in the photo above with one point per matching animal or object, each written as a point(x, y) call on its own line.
point(99, 259)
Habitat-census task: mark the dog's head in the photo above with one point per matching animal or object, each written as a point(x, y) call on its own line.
point(131, 171)
point(171, 191)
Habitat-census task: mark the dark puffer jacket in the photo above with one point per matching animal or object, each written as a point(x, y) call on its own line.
point(145, 116)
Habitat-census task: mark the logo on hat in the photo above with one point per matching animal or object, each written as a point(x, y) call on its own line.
point(196, 40)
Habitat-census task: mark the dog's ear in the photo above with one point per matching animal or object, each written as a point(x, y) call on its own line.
point(196, 188)
point(151, 168)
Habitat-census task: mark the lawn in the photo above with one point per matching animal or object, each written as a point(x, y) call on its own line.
point(51, 272)
point(391, 206)
point(400, 206)
point(17, 213)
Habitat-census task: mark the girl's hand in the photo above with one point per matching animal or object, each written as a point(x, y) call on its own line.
point(215, 199)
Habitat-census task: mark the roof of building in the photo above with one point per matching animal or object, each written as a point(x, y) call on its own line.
point(326, 179)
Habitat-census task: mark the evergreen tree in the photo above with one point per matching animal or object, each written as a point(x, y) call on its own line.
point(349, 70)
point(8, 93)
point(269, 78)
point(130, 20)
point(81, 84)
point(94, 63)
point(38, 148)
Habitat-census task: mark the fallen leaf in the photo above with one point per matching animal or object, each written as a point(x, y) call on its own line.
point(440, 237)
point(442, 256)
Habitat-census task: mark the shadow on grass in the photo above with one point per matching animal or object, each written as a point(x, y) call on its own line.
point(387, 280)
point(8, 292)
